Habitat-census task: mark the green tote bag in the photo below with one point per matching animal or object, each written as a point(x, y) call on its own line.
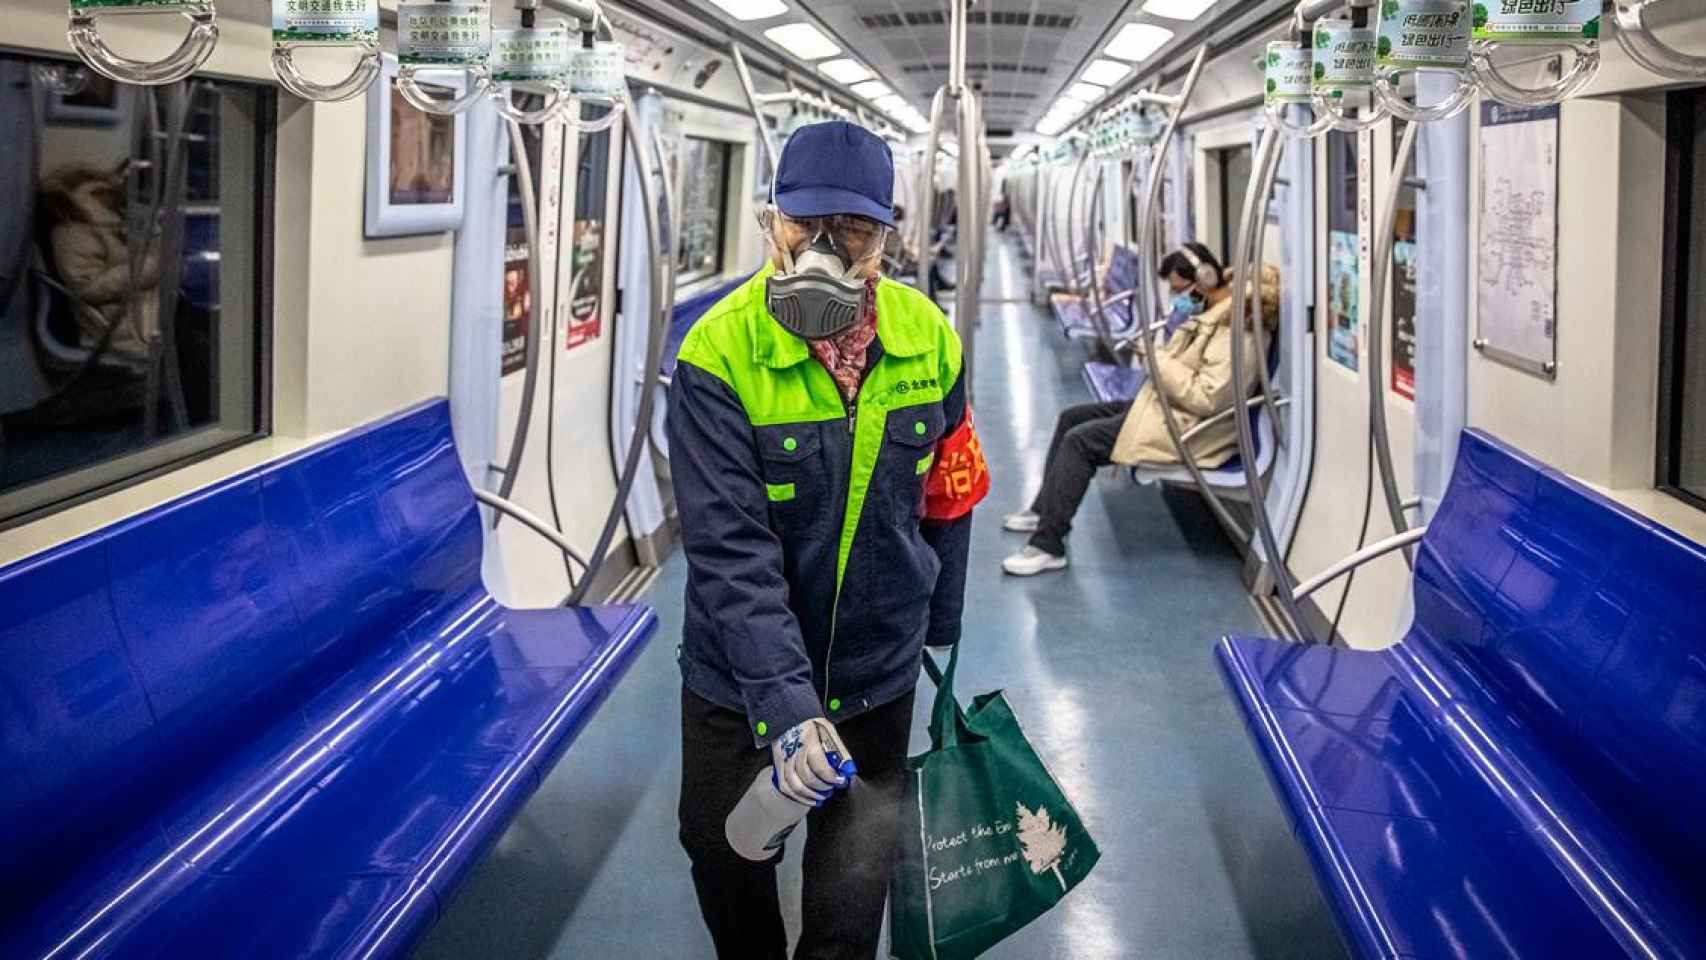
point(988, 840)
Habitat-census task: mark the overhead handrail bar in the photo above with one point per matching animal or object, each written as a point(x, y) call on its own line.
point(84, 34)
point(1147, 270)
point(754, 103)
point(1382, 277)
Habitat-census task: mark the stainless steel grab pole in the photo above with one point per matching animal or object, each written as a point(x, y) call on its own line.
point(1382, 277)
point(1072, 226)
point(927, 187)
point(753, 102)
point(1098, 320)
point(535, 278)
point(660, 307)
point(968, 233)
point(1255, 203)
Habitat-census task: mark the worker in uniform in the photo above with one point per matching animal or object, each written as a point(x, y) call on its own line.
point(825, 467)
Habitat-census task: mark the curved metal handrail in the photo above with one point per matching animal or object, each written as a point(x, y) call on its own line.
point(1146, 270)
point(927, 187)
point(535, 285)
point(661, 303)
point(1382, 277)
point(1255, 202)
point(531, 521)
point(1404, 541)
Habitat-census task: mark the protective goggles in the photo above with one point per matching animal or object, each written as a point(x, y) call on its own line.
point(855, 239)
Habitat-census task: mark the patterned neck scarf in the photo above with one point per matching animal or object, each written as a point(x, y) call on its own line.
point(844, 355)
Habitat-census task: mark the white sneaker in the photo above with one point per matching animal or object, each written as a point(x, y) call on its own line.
point(1031, 561)
point(1024, 521)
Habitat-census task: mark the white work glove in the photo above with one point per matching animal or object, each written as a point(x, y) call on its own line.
point(805, 773)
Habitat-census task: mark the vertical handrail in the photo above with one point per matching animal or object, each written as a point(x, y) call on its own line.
point(1098, 321)
point(1382, 277)
point(752, 103)
point(535, 283)
point(927, 186)
point(1148, 268)
point(970, 232)
point(660, 307)
point(1255, 203)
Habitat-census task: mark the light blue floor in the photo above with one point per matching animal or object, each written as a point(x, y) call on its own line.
point(1107, 665)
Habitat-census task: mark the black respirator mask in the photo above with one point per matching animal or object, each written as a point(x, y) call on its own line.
point(820, 293)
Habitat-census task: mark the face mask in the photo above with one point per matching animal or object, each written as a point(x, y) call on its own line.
point(818, 294)
point(1186, 304)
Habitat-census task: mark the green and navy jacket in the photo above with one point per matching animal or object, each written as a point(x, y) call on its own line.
point(814, 580)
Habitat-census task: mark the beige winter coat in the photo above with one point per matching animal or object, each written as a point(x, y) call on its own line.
point(1195, 367)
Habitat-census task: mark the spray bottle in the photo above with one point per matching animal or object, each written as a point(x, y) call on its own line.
point(761, 822)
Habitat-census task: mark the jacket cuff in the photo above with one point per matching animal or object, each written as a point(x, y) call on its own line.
point(774, 709)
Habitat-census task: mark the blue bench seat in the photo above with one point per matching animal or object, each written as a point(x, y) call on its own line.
point(1112, 381)
point(1523, 774)
point(1072, 312)
point(280, 717)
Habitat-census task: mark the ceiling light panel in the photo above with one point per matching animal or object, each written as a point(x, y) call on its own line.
point(845, 70)
point(872, 89)
point(802, 40)
point(1106, 72)
point(751, 9)
point(1137, 41)
point(1177, 9)
point(893, 103)
point(1087, 92)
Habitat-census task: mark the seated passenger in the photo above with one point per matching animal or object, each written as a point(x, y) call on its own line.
point(1194, 364)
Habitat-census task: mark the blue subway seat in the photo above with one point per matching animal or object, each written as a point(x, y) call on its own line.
point(279, 717)
point(1112, 381)
point(1072, 311)
point(1523, 774)
point(686, 313)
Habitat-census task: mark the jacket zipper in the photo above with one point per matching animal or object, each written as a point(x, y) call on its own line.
point(852, 408)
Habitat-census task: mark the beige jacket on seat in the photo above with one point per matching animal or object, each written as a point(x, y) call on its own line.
point(1195, 367)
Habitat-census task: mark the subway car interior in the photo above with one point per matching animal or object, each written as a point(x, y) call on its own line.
point(476, 475)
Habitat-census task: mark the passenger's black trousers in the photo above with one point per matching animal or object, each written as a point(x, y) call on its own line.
point(851, 841)
point(1083, 442)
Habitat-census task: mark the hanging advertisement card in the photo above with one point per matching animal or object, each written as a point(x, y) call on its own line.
point(1344, 322)
point(518, 302)
point(585, 315)
point(1517, 290)
point(1404, 319)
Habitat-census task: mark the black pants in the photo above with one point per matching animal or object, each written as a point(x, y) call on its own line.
point(1083, 441)
point(851, 840)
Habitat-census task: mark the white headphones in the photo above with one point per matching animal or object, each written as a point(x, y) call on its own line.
point(1207, 274)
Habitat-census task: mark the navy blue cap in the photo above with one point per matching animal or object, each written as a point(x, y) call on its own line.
point(836, 167)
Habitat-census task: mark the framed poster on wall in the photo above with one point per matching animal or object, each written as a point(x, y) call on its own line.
point(1344, 330)
point(1404, 319)
point(1516, 295)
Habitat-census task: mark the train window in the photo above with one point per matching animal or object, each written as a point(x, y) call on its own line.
point(1682, 405)
point(704, 188)
point(133, 306)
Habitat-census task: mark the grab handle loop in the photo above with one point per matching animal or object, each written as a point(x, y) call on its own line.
point(1638, 41)
point(1289, 68)
point(1423, 36)
point(443, 35)
point(1343, 70)
point(325, 23)
point(84, 34)
point(1572, 24)
point(534, 59)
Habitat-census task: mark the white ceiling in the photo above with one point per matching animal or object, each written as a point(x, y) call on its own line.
point(1022, 52)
